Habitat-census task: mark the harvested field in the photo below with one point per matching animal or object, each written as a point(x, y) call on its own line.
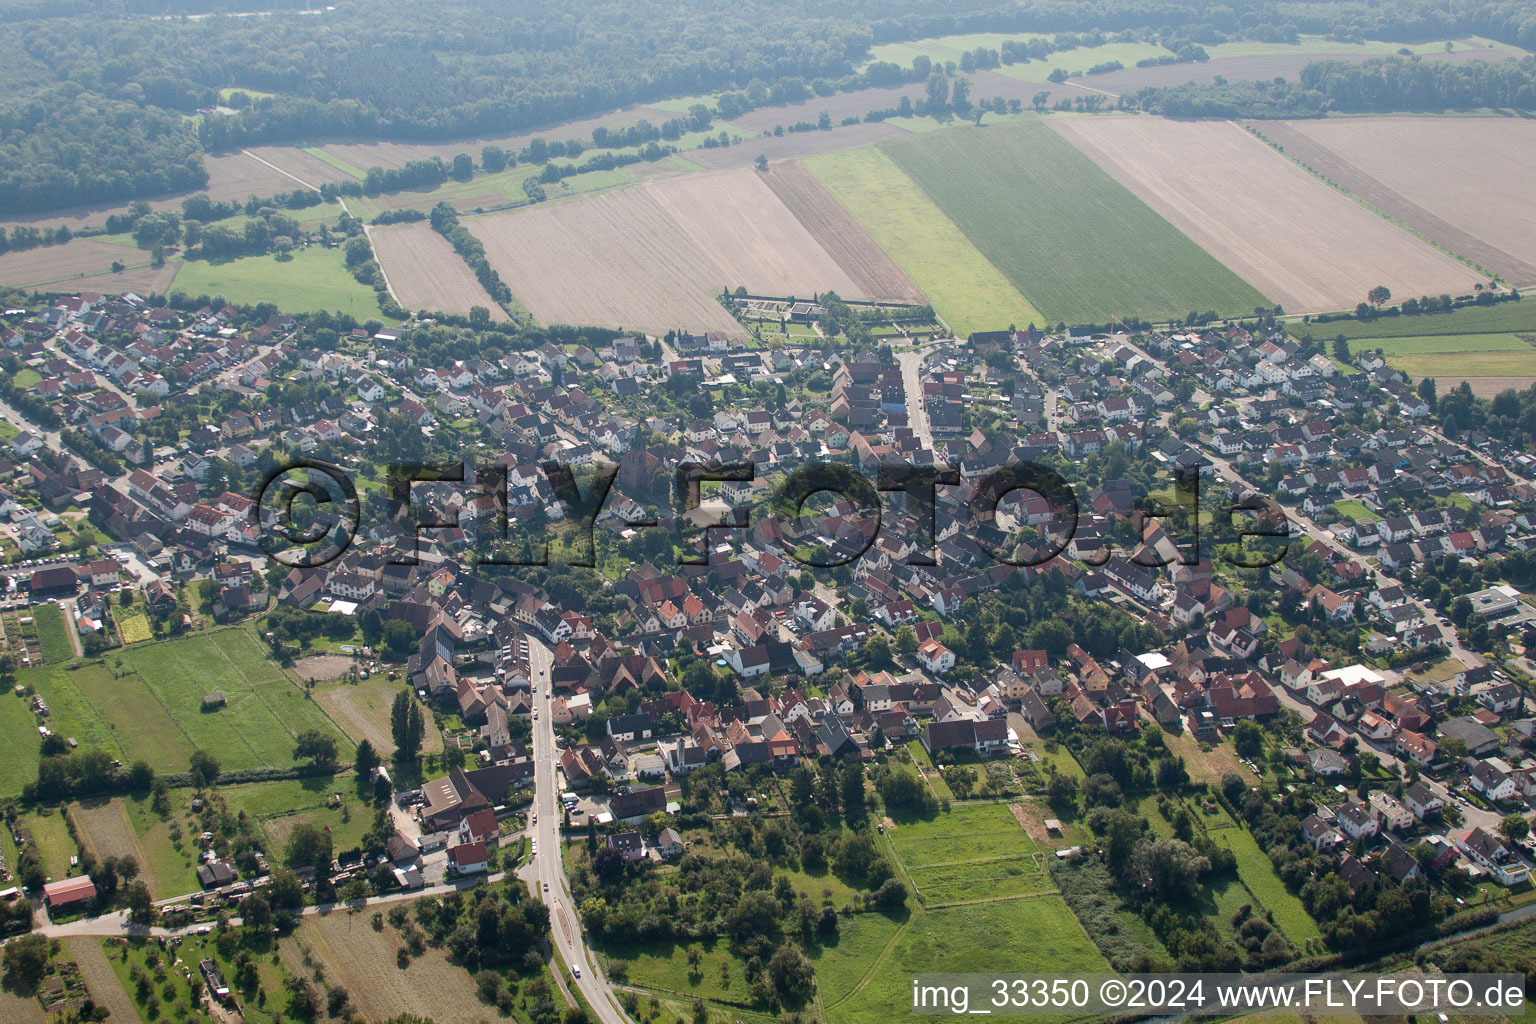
point(363, 961)
point(77, 258)
point(1300, 243)
point(839, 234)
point(616, 259)
point(289, 167)
point(1462, 181)
point(100, 980)
point(388, 155)
point(738, 222)
point(791, 145)
point(17, 1009)
point(238, 176)
point(1486, 387)
point(145, 280)
point(426, 273)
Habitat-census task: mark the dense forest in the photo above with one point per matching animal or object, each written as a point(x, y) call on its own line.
point(1386, 84)
point(94, 91)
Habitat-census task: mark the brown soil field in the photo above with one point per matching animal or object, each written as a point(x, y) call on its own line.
point(238, 176)
point(363, 961)
point(1265, 68)
point(139, 280)
point(322, 666)
point(1282, 230)
point(100, 981)
point(76, 258)
point(426, 273)
point(738, 222)
point(1485, 387)
point(387, 155)
point(293, 166)
point(839, 234)
point(615, 259)
point(792, 145)
point(1463, 181)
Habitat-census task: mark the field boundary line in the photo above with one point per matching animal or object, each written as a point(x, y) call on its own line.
point(998, 899)
point(974, 860)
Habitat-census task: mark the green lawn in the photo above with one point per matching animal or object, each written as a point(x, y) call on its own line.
point(1078, 244)
point(26, 377)
point(968, 291)
point(337, 162)
point(314, 280)
point(1499, 318)
point(1354, 508)
point(283, 805)
point(53, 634)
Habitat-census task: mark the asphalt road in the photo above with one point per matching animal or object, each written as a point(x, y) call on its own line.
point(546, 873)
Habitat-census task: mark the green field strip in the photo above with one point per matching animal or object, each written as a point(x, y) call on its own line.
point(1077, 243)
point(968, 291)
point(337, 162)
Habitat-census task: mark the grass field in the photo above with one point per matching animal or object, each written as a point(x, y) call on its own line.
point(51, 834)
point(1013, 936)
point(1464, 364)
point(127, 826)
point(1353, 508)
point(1258, 874)
point(314, 280)
point(53, 634)
point(18, 731)
point(361, 709)
point(283, 805)
point(145, 702)
point(968, 291)
point(971, 852)
point(1441, 343)
point(134, 628)
point(1078, 244)
point(1499, 318)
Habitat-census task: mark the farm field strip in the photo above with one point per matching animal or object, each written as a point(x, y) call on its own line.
point(1500, 318)
point(738, 222)
point(1071, 238)
point(426, 273)
point(75, 259)
point(615, 259)
point(1406, 346)
point(1421, 171)
point(100, 980)
point(839, 234)
point(1292, 237)
point(18, 733)
point(966, 289)
point(1467, 364)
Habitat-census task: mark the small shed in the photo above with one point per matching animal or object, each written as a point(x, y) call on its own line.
point(213, 701)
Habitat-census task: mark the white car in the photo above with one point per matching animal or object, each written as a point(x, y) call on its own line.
point(546, 887)
point(575, 972)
